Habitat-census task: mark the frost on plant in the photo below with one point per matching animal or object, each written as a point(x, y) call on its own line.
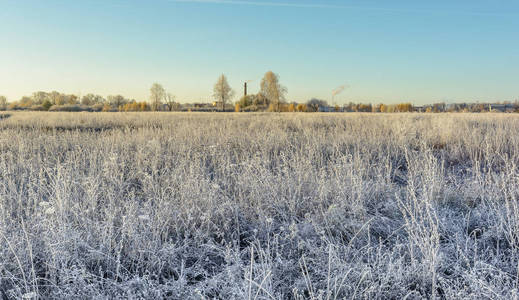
point(258, 206)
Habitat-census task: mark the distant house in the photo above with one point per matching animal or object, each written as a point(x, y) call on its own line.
point(201, 105)
point(497, 107)
point(326, 109)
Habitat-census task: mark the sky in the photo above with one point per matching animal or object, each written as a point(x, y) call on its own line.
point(383, 51)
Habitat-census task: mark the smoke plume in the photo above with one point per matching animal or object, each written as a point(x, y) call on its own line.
point(339, 90)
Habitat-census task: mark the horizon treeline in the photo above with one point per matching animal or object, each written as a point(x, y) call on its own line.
point(56, 101)
point(270, 98)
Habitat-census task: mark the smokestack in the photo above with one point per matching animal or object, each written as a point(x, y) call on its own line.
point(245, 89)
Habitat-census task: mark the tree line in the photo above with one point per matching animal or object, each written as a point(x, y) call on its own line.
point(56, 101)
point(271, 97)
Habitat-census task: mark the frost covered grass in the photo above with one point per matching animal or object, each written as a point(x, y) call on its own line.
point(259, 206)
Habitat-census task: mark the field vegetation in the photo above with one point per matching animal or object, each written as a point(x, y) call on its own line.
point(259, 205)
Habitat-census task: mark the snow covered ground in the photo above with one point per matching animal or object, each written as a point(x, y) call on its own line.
point(259, 206)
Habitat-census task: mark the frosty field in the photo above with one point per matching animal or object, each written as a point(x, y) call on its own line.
point(259, 206)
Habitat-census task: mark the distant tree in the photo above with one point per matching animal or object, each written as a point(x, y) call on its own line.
point(25, 102)
point(404, 107)
point(144, 106)
point(454, 108)
point(301, 107)
point(3, 103)
point(130, 106)
point(91, 99)
point(40, 97)
point(284, 107)
point(259, 99)
point(273, 90)
point(222, 92)
point(170, 102)
point(158, 95)
point(56, 98)
point(46, 104)
point(116, 100)
point(314, 104)
point(106, 107)
point(237, 107)
point(71, 99)
point(364, 108)
point(438, 107)
point(246, 101)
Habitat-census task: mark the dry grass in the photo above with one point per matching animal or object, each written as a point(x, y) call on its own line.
point(259, 206)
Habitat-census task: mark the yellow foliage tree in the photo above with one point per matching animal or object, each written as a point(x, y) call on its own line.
point(404, 107)
point(107, 107)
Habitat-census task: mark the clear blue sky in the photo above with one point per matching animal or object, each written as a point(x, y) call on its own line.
point(385, 51)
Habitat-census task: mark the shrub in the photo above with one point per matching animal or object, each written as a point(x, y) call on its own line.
point(46, 105)
point(301, 107)
point(69, 108)
point(253, 108)
point(38, 108)
point(97, 107)
point(107, 108)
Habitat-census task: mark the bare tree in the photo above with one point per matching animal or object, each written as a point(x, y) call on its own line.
point(3, 103)
point(315, 104)
point(56, 98)
point(272, 89)
point(170, 101)
point(39, 97)
point(222, 91)
point(71, 99)
point(91, 99)
point(116, 101)
point(158, 94)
